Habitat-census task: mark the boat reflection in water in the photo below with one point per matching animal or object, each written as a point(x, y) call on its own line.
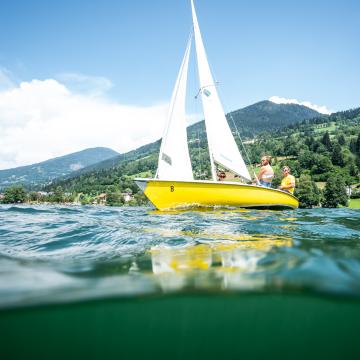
point(233, 263)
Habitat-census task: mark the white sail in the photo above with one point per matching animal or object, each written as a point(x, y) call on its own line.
point(174, 159)
point(222, 146)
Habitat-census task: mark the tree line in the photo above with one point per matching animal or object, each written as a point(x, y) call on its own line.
point(319, 150)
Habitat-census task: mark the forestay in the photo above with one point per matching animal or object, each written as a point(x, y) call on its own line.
point(222, 146)
point(174, 159)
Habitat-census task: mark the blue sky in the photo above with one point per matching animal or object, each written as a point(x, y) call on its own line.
point(308, 50)
point(128, 52)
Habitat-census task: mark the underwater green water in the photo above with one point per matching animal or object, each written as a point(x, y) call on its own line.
point(133, 282)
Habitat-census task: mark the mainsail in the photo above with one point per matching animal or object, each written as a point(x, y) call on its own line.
point(222, 146)
point(174, 159)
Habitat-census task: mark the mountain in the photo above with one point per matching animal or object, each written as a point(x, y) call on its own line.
point(250, 121)
point(299, 145)
point(112, 162)
point(262, 116)
point(44, 172)
point(266, 115)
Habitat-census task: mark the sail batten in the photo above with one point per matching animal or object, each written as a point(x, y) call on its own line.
point(222, 145)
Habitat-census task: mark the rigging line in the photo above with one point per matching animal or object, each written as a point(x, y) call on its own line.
point(191, 105)
point(216, 84)
point(243, 146)
point(196, 82)
point(197, 111)
point(199, 147)
point(237, 133)
point(201, 89)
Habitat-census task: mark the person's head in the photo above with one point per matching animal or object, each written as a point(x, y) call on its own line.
point(265, 160)
point(286, 170)
point(222, 175)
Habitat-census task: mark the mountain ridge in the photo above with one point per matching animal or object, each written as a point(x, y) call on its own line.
point(249, 121)
point(300, 146)
point(197, 131)
point(48, 170)
point(264, 115)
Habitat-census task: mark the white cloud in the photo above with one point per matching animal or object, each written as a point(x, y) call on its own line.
point(320, 108)
point(85, 84)
point(42, 119)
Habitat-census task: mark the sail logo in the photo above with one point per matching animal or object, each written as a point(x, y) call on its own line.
point(166, 158)
point(206, 92)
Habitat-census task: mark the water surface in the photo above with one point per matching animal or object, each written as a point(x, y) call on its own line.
point(61, 254)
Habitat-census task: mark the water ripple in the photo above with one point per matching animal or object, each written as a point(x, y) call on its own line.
point(48, 253)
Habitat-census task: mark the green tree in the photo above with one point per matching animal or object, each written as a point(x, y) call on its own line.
point(84, 199)
point(309, 142)
point(141, 199)
point(306, 159)
point(320, 148)
point(114, 199)
point(290, 146)
point(308, 193)
point(341, 139)
point(322, 164)
point(128, 191)
point(335, 192)
point(337, 156)
point(326, 141)
point(357, 146)
point(14, 194)
point(58, 195)
point(33, 196)
point(353, 170)
point(357, 151)
point(352, 145)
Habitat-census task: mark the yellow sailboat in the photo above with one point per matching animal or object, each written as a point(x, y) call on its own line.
point(166, 194)
point(174, 185)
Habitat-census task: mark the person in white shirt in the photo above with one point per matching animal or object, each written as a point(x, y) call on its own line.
point(266, 173)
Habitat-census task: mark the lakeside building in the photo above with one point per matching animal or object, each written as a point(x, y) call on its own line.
point(127, 196)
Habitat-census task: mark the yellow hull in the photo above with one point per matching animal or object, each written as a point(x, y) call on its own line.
point(165, 194)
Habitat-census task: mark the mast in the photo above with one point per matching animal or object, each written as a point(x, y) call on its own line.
point(222, 146)
point(198, 40)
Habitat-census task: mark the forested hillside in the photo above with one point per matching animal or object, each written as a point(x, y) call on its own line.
point(99, 163)
point(249, 121)
point(262, 116)
point(317, 148)
point(32, 175)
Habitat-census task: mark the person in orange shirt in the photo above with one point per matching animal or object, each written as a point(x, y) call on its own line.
point(288, 181)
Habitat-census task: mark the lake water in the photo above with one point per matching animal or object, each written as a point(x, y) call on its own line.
point(58, 257)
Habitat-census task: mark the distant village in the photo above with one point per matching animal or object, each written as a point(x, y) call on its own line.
point(17, 194)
